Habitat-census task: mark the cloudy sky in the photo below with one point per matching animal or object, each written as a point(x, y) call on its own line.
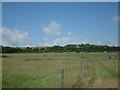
point(46, 24)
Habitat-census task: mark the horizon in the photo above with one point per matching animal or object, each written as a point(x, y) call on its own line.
point(47, 24)
point(56, 45)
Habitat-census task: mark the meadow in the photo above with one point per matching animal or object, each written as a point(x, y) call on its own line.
point(43, 70)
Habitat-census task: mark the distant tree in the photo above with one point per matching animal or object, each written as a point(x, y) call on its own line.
point(66, 48)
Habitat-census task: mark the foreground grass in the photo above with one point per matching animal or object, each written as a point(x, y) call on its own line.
point(0, 73)
point(43, 70)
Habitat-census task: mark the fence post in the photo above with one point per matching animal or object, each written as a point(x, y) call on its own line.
point(81, 67)
point(62, 78)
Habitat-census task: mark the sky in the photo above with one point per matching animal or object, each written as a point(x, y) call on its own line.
point(59, 23)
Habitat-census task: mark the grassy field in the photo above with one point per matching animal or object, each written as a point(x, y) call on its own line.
point(43, 70)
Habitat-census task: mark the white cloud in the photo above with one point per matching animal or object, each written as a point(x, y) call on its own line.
point(72, 40)
point(117, 19)
point(14, 37)
point(52, 28)
point(65, 40)
point(69, 33)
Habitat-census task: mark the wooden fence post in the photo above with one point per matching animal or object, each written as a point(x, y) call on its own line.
point(62, 78)
point(81, 67)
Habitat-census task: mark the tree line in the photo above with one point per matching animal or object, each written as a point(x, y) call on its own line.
point(60, 49)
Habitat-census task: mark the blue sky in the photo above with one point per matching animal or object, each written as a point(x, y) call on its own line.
point(46, 24)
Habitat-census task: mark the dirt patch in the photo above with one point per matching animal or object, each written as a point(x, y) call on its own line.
point(100, 83)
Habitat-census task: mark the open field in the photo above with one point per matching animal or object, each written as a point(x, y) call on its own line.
point(100, 70)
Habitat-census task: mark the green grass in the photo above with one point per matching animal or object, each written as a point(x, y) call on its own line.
point(0, 72)
point(43, 70)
